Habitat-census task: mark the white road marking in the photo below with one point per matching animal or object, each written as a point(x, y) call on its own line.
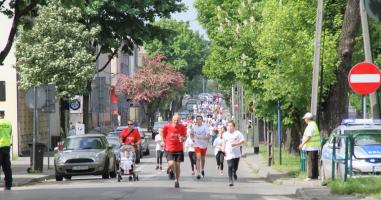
point(364, 78)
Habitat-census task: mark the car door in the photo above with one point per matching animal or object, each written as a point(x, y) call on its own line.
point(326, 157)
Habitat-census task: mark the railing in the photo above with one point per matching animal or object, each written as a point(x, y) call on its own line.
point(348, 154)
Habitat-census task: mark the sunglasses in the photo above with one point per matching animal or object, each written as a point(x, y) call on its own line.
point(130, 124)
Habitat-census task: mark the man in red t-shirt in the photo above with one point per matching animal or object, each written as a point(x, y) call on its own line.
point(173, 135)
point(130, 136)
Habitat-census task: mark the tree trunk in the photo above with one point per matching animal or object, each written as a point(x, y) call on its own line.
point(335, 106)
point(63, 117)
point(86, 108)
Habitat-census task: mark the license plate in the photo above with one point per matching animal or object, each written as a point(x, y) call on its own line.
point(80, 168)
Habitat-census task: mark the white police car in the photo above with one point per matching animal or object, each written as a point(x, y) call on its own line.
point(366, 158)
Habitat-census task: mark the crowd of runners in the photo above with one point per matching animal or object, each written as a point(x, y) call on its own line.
point(210, 126)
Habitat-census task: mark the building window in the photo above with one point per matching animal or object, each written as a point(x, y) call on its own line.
point(2, 90)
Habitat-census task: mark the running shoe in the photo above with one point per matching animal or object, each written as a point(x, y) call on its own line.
point(198, 176)
point(203, 173)
point(177, 184)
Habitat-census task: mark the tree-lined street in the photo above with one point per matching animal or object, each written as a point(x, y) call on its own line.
point(100, 87)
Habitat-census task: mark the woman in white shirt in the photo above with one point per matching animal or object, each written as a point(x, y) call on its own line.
point(159, 152)
point(218, 150)
point(189, 146)
point(233, 140)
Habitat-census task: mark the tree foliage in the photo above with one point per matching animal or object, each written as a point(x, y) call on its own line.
point(155, 80)
point(126, 23)
point(21, 11)
point(56, 51)
point(184, 49)
point(155, 84)
point(268, 47)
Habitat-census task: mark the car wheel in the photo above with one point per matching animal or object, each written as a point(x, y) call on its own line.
point(113, 173)
point(106, 172)
point(68, 177)
point(59, 178)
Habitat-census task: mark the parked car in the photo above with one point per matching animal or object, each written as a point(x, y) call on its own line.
point(114, 142)
point(366, 159)
point(156, 127)
point(88, 154)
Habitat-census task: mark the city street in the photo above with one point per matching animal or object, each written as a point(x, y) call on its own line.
point(155, 185)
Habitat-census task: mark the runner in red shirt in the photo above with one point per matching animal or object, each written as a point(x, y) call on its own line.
point(173, 135)
point(130, 136)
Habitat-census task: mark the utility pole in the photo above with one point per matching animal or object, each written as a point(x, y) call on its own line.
point(316, 65)
point(374, 109)
point(232, 103)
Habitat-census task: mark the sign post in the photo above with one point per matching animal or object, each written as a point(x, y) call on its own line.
point(364, 78)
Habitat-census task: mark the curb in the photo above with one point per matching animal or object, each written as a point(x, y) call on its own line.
point(31, 181)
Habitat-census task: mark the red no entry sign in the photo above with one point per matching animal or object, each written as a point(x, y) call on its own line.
point(364, 78)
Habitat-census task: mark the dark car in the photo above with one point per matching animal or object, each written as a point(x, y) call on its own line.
point(156, 127)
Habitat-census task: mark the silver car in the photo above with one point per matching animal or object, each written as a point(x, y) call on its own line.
point(366, 159)
point(88, 154)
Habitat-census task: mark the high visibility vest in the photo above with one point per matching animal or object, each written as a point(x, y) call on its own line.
point(315, 139)
point(5, 133)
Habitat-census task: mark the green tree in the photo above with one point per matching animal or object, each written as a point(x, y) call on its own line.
point(56, 51)
point(184, 49)
point(268, 47)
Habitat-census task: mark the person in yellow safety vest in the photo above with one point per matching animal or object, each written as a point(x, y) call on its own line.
point(5, 148)
point(311, 144)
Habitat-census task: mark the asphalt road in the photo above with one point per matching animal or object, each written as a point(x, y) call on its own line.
point(155, 184)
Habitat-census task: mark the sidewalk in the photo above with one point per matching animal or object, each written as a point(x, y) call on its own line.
point(310, 190)
point(22, 177)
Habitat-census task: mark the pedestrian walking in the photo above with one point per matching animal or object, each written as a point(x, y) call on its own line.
point(5, 149)
point(189, 147)
point(233, 140)
point(201, 134)
point(159, 152)
point(311, 144)
point(130, 136)
point(219, 152)
point(173, 136)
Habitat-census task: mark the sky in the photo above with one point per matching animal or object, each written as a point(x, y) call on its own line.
point(191, 16)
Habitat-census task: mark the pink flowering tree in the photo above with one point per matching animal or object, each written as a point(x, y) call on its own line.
point(151, 84)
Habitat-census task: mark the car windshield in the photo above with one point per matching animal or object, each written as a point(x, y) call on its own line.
point(370, 137)
point(114, 142)
point(80, 143)
point(114, 134)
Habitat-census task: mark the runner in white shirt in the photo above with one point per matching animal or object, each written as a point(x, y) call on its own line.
point(189, 146)
point(233, 140)
point(159, 152)
point(219, 151)
point(201, 134)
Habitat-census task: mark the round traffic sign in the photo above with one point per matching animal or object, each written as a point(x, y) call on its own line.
point(75, 104)
point(364, 78)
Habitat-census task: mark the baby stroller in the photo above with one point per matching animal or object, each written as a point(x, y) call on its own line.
point(127, 163)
